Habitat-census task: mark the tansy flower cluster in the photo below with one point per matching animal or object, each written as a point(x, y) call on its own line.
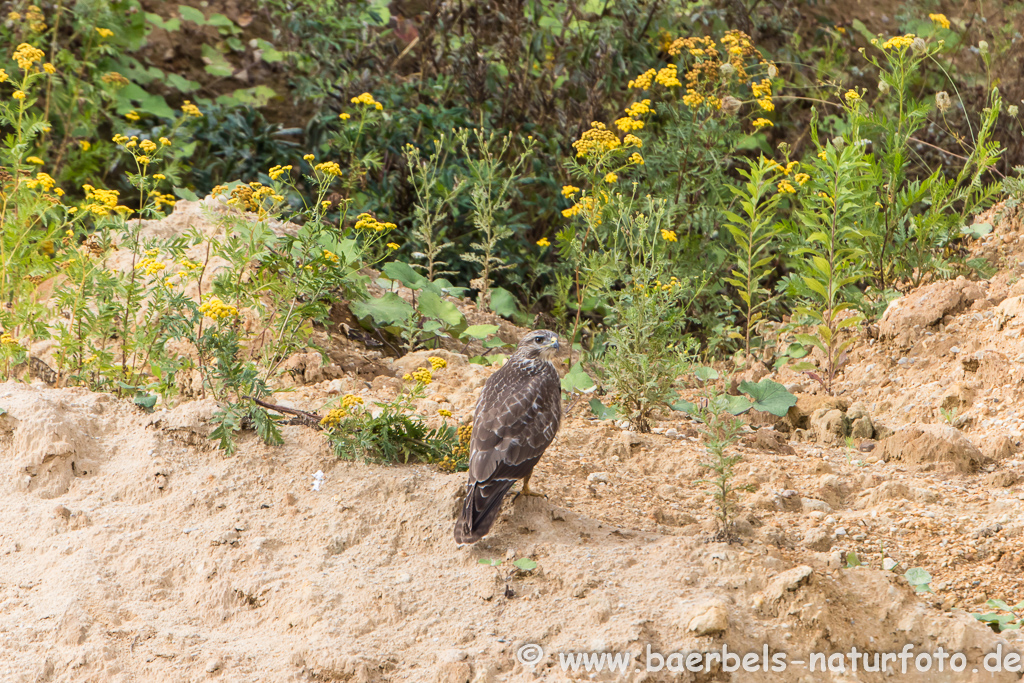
point(543, 242)
point(161, 200)
point(26, 55)
point(45, 182)
point(351, 400)
point(331, 256)
point(585, 204)
point(596, 140)
point(444, 412)
point(34, 16)
point(150, 265)
point(367, 99)
point(276, 172)
point(939, 20)
point(465, 433)
point(215, 309)
point(634, 111)
point(669, 235)
point(7, 340)
point(636, 159)
point(437, 363)
point(569, 191)
point(102, 202)
point(104, 32)
point(761, 123)
point(420, 375)
point(786, 187)
point(190, 109)
point(898, 43)
point(365, 221)
point(252, 197)
point(330, 168)
point(333, 418)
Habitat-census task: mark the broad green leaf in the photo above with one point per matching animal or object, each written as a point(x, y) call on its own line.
point(489, 563)
point(602, 411)
point(705, 373)
point(192, 14)
point(576, 380)
point(525, 564)
point(770, 397)
point(404, 273)
point(852, 560)
point(503, 302)
point(919, 579)
point(145, 401)
point(432, 306)
point(384, 310)
point(480, 331)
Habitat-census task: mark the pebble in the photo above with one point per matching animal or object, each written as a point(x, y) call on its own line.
point(888, 564)
point(841, 531)
point(598, 477)
point(213, 665)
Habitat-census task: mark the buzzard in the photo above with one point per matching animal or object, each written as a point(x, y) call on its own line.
point(516, 417)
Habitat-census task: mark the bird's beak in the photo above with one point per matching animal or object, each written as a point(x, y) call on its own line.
point(554, 344)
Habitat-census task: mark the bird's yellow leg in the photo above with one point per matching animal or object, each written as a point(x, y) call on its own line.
point(526, 489)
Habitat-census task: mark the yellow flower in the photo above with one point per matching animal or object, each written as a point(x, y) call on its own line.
point(148, 146)
point(443, 412)
point(351, 401)
point(766, 104)
point(543, 242)
point(643, 81)
point(611, 178)
point(899, 42)
point(331, 256)
point(26, 55)
point(18, 94)
point(632, 141)
point(152, 266)
point(786, 187)
point(102, 202)
point(852, 96)
point(423, 376)
point(7, 340)
point(367, 99)
point(392, 246)
point(761, 123)
point(365, 221)
point(215, 309)
point(668, 77)
point(626, 124)
point(308, 157)
point(159, 176)
point(14, 16)
point(34, 160)
point(940, 20)
point(85, 145)
point(801, 178)
point(49, 68)
point(437, 363)
point(569, 191)
point(132, 116)
point(104, 32)
point(344, 116)
point(638, 109)
point(42, 180)
point(596, 140)
point(190, 109)
point(669, 236)
point(333, 418)
point(276, 172)
point(165, 142)
point(823, 155)
point(330, 168)
point(142, 159)
point(635, 158)
point(3, 75)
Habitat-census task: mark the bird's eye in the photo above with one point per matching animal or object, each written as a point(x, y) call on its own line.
point(539, 340)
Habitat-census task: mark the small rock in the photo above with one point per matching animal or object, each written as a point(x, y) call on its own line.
point(888, 564)
point(818, 539)
point(707, 617)
point(598, 477)
point(213, 665)
point(841, 531)
point(403, 578)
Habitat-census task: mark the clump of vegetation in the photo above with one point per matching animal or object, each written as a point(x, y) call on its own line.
point(720, 432)
point(393, 432)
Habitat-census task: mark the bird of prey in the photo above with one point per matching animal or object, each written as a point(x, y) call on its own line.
point(516, 418)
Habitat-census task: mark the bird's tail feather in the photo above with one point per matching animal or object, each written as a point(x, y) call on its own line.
point(481, 508)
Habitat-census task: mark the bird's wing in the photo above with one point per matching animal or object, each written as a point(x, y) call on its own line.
point(516, 418)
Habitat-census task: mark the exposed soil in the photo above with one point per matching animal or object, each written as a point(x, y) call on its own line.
point(133, 550)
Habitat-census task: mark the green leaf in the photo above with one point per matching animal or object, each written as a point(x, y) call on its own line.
point(978, 230)
point(480, 331)
point(503, 302)
point(186, 194)
point(431, 306)
point(384, 310)
point(145, 401)
point(576, 380)
point(489, 563)
point(770, 397)
point(919, 579)
point(525, 564)
point(705, 373)
point(602, 411)
point(3, 411)
point(404, 273)
point(852, 560)
point(266, 426)
point(737, 405)
point(192, 14)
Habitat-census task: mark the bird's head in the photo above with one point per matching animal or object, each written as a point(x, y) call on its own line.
point(538, 345)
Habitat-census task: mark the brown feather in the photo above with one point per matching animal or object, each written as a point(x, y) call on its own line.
point(516, 418)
